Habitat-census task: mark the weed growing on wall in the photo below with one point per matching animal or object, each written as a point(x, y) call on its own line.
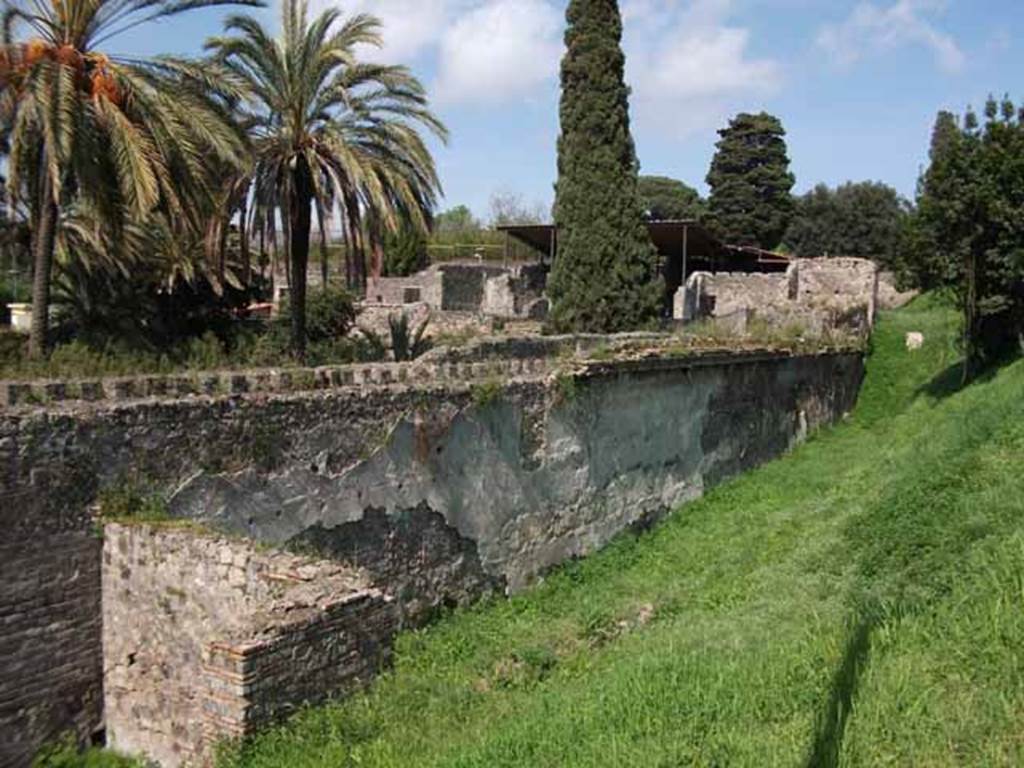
point(566, 388)
point(132, 501)
point(486, 393)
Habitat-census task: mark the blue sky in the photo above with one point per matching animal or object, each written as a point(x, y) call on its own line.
point(857, 83)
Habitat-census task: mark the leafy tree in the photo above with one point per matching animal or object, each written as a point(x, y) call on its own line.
point(666, 199)
point(865, 220)
point(456, 220)
point(508, 208)
point(326, 126)
point(968, 229)
point(605, 277)
point(405, 251)
point(124, 136)
point(750, 201)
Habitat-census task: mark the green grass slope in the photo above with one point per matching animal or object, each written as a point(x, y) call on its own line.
point(858, 602)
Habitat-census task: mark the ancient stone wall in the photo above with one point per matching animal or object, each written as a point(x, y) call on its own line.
point(425, 286)
point(820, 295)
point(50, 662)
point(437, 489)
point(490, 289)
point(207, 638)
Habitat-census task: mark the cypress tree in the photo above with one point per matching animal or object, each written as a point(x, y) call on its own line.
point(750, 182)
point(605, 277)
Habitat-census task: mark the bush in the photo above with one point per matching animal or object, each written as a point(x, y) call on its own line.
point(330, 315)
point(407, 343)
point(405, 252)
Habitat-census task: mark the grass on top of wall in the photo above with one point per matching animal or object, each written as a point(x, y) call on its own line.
point(856, 603)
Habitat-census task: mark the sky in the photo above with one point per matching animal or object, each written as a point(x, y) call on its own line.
point(856, 83)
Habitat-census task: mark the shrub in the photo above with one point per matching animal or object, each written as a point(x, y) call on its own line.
point(407, 344)
point(405, 252)
point(330, 315)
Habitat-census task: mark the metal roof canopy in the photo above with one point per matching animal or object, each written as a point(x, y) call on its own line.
point(684, 238)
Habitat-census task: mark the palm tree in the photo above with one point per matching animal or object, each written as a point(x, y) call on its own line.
point(123, 136)
point(328, 127)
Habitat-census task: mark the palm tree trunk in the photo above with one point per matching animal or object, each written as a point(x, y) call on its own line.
point(44, 239)
point(323, 241)
point(243, 242)
point(300, 210)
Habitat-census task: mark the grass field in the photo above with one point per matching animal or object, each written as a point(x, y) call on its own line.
point(858, 602)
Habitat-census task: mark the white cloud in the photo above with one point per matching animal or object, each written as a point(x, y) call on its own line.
point(409, 27)
point(689, 66)
point(499, 51)
point(872, 28)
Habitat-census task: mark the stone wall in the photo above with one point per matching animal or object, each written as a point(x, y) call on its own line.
point(821, 295)
point(206, 638)
point(435, 491)
point(50, 663)
point(489, 289)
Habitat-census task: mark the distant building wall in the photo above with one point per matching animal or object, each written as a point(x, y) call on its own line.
point(494, 290)
point(820, 294)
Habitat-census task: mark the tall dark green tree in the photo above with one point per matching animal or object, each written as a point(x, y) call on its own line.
point(750, 202)
point(606, 275)
point(666, 199)
point(863, 219)
point(968, 230)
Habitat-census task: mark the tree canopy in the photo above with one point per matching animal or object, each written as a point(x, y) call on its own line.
point(968, 230)
point(863, 219)
point(666, 199)
point(329, 128)
point(121, 138)
point(750, 201)
point(605, 277)
point(456, 220)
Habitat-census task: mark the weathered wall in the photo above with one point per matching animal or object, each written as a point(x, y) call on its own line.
point(496, 493)
point(819, 294)
point(438, 489)
point(206, 638)
point(50, 665)
point(889, 294)
point(490, 289)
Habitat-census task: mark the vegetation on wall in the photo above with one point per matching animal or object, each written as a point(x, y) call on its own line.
point(605, 277)
point(865, 220)
point(750, 201)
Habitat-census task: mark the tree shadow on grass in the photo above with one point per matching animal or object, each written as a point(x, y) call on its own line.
point(951, 380)
point(824, 751)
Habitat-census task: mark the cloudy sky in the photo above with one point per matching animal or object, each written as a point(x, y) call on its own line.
point(856, 82)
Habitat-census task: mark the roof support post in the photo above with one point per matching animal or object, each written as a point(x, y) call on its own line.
point(686, 249)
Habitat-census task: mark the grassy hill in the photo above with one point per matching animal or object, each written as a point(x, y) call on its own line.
point(858, 602)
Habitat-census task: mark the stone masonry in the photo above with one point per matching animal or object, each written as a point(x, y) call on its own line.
point(207, 638)
point(821, 295)
point(407, 495)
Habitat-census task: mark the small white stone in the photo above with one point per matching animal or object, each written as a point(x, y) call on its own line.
point(915, 340)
